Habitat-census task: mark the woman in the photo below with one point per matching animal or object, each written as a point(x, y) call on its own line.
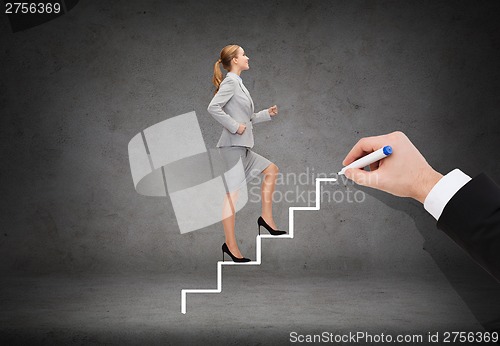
point(233, 107)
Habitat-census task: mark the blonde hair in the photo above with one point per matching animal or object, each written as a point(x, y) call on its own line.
point(226, 55)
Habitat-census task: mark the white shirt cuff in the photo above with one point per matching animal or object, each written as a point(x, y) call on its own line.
point(443, 191)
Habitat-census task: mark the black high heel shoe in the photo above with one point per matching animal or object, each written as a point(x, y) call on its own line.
point(261, 222)
point(235, 259)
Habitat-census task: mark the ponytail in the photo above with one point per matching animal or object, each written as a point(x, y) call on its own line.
point(226, 55)
point(217, 77)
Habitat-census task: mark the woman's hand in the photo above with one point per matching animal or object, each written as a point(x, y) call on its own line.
point(241, 129)
point(273, 110)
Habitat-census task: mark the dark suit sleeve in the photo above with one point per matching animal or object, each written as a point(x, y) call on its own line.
point(472, 219)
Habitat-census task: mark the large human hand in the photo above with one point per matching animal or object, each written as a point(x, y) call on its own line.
point(405, 173)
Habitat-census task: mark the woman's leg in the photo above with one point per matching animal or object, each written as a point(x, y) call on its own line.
point(228, 222)
point(270, 174)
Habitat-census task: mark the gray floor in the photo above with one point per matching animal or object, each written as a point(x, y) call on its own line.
point(256, 307)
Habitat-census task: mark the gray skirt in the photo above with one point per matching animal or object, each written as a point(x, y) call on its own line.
point(238, 175)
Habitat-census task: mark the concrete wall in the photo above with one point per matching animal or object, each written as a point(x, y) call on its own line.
point(75, 90)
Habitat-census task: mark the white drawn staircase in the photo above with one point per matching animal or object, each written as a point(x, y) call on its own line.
point(291, 211)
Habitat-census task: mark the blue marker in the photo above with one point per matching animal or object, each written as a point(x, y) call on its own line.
point(369, 159)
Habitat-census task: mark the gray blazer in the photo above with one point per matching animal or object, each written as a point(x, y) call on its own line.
point(232, 106)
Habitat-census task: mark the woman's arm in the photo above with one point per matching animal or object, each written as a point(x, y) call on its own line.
point(226, 91)
point(260, 116)
point(264, 115)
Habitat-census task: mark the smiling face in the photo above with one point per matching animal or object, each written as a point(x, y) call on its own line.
point(240, 61)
